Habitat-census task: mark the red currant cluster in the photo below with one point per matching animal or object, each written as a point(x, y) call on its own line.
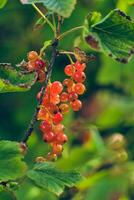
point(56, 102)
point(74, 85)
point(36, 63)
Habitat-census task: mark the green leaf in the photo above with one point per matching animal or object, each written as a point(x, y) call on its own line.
point(11, 164)
point(113, 35)
point(63, 8)
point(47, 176)
point(2, 3)
point(12, 80)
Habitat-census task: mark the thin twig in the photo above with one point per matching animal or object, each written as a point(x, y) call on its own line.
point(49, 72)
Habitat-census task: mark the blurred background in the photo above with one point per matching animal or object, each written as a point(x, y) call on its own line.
point(108, 103)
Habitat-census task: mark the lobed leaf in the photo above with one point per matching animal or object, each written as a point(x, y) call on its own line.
point(11, 164)
point(12, 80)
point(113, 35)
point(47, 176)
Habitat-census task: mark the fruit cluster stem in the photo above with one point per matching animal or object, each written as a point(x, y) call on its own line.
point(49, 72)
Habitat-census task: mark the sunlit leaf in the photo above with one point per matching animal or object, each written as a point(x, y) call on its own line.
point(11, 164)
point(113, 35)
point(47, 176)
point(63, 8)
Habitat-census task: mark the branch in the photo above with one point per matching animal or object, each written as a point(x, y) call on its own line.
point(49, 72)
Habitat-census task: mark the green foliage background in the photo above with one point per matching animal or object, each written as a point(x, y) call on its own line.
point(108, 101)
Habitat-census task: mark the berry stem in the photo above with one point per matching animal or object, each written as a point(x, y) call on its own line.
point(68, 53)
point(48, 22)
point(49, 72)
point(70, 58)
point(70, 31)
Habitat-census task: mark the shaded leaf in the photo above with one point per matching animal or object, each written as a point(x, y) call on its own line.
point(113, 35)
point(12, 80)
point(63, 8)
point(11, 164)
point(47, 176)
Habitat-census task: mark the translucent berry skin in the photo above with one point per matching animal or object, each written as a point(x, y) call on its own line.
point(80, 66)
point(69, 70)
point(64, 97)
point(72, 96)
point(40, 64)
point(57, 118)
point(45, 101)
point(64, 108)
point(58, 128)
point(56, 87)
point(76, 105)
point(79, 88)
point(41, 76)
point(55, 99)
point(68, 82)
point(49, 137)
point(31, 66)
point(53, 109)
point(43, 115)
point(79, 76)
point(61, 138)
point(45, 127)
point(32, 56)
point(57, 149)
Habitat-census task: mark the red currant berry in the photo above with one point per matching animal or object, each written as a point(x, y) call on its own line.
point(68, 82)
point(41, 76)
point(57, 149)
point(76, 105)
point(69, 70)
point(32, 56)
point(48, 137)
point(56, 87)
point(79, 76)
point(53, 109)
point(79, 66)
point(61, 138)
point(64, 97)
point(55, 99)
point(64, 108)
point(45, 127)
point(79, 88)
point(45, 101)
point(40, 64)
point(31, 66)
point(57, 118)
point(43, 115)
point(58, 128)
point(72, 96)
